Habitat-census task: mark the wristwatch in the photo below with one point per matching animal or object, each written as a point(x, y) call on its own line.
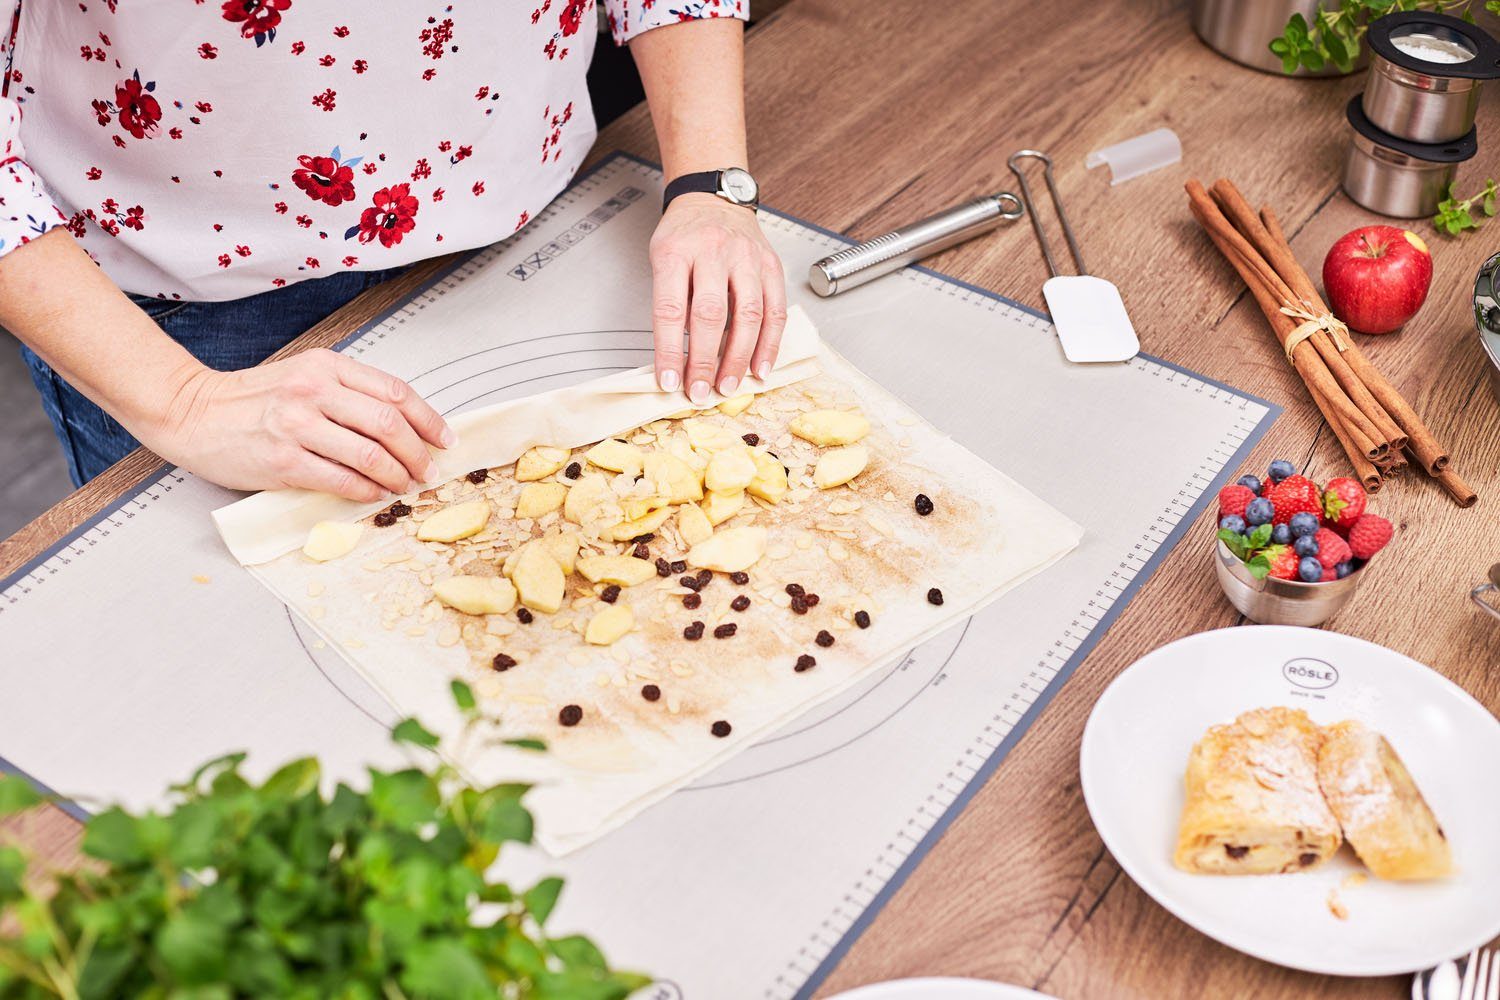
point(733, 184)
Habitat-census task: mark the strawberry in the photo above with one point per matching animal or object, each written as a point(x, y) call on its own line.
point(1332, 549)
point(1369, 535)
point(1283, 560)
point(1233, 499)
point(1344, 502)
point(1293, 495)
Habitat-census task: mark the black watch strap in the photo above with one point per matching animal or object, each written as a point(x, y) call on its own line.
point(702, 182)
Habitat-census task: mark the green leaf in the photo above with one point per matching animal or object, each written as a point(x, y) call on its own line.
point(114, 835)
point(499, 816)
point(1235, 542)
point(525, 743)
point(1259, 566)
point(1261, 536)
point(12, 873)
point(293, 780)
point(195, 833)
point(541, 898)
point(578, 951)
point(405, 798)
point(192, 948)
point(463, 696)
point(413, 732)
point(443, 969)
point(17, 794)
point(104, 971)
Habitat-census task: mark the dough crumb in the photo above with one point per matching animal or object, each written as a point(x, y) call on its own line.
point(200, 578)
point(1336, 905)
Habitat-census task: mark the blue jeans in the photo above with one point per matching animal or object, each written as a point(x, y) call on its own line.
point(231, 335)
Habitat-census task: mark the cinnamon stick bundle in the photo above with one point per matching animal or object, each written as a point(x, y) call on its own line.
point(1374, 423)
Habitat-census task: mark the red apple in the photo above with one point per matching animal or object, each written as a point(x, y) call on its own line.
point(1376, 278)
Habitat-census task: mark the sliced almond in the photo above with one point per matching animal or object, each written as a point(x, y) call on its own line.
point(476, 595)
point(452, 523)
point(830, 427)
point(331, 539)
point(539, 463)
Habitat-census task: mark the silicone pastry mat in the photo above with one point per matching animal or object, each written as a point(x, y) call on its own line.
point(138, 647)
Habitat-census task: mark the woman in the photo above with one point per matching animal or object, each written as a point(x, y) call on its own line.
point(239, 169)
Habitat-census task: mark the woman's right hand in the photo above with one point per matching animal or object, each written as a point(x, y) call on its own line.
point(317, 420)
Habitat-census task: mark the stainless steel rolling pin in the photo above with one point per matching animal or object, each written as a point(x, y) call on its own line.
point(866, 261)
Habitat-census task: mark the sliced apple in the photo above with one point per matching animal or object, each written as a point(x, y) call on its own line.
point(636, 508)
point(693, 524)
point(609, 624)
point(476, 595)
point(709, 436)
point(720, 507)
point(627, 571)
point(563, 546)
point(826, 428)
point(736, 405)
point(729, 470)
point(837, 467)
point(331, 539)
point(539, 463)
point(770, 478)
point(616, 456)
point(453, 523)
point(731, 550)
point(540, 498)
point(583, 496)
point(626, 530)
point(539, 579)
point(673, 477)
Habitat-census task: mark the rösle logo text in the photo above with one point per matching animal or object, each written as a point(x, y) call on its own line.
point(1306, 672)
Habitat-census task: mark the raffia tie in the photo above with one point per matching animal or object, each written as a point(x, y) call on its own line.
point(1311, 324)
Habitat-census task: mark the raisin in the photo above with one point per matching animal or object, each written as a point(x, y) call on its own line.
point(610, 594)
point(524, 616)
point(935, 596)
point(690, 582)
point(751, 439)
point(811, 600)
point(641, 551)
point(385, 519)
point(705, 577)
point(651, 692)
point(502, 662)
point(799, 604)
point(923, 503)
point(570, 715)
point(679, 565)
point(721, 729)
point(805, 662)
point(693, 632)
point(642, 539)
point(740, 603)
point(573, 471)
point(739, 577)
point(399, 509)
point(692, 601)
point(726, 630)
point(478, 476)
point(663, 568)
point(1235, 851)
point(1306, 859)
point(862, 619)
point(795, 589)
point(824, 638)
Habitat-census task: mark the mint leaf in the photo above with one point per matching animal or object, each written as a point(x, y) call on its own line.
point(413, 732)
point(541, 898)
point(1259, 567)
point(17, 794)
point(463, 696)
point(1261, 536)
point(1235, 542)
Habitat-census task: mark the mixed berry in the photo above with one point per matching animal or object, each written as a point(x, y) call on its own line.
point(1285, 527)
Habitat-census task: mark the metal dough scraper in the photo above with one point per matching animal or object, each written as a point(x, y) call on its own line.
point(1087, 311)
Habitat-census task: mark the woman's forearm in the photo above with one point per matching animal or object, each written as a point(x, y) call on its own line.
point(694, 78)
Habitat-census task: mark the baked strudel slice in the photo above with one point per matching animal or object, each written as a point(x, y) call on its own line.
point(1384, 816)
point(1253, 803)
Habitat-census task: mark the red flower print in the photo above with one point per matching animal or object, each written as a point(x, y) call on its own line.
point(207, 51)
point(478, 188)
point(325, 179)
point(204, 107)
point(342, 31)
point(311, 262)
point(257, 18)
point(326, 60)
point(278, 282)
point(437, 195)
point(360, 65)
point(429, 73)
point(174, 132)
point(391, 217)
point(436, 37)
point(102, 112)
point(94, 173)
point(243, 251)
point(482, 93)
point(304, 221)
point(350, 261)
point(138, 110)
point(281, 208)
point(325, 100)
point(422, 170)
point(369, 168)
point(134, 218)
point(298, 48)
point(525, 218)
point(572, 16)
point(224, 260)
point(444, 146)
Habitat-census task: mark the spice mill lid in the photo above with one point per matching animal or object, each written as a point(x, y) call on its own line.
point(1443, 30)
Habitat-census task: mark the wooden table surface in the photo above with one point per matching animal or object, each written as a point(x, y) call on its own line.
point(864, 116)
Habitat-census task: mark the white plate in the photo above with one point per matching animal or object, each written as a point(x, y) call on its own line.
point(1135, 749)
point(941, 989)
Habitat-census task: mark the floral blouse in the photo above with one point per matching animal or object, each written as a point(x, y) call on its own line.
point(217, 148)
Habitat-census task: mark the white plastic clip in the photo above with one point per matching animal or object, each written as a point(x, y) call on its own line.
point(1141, 155)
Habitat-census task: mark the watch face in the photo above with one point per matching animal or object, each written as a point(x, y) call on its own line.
point(739, 185)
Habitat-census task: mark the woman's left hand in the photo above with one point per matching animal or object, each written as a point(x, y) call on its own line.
point(715, 276)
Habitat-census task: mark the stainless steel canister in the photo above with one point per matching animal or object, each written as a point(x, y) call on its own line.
point(1398, 177)
point(1425, 75)
point(1281, 602)
point(1242, 30)
point(1487, 317)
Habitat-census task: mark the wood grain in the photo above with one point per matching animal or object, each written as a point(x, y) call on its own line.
point(865, 116)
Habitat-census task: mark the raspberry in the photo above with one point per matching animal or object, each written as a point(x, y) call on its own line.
point(1233, 499)
point(1332, 549)
point(1294, 495)
point(1329, 574)
point(1369, 535)
point(1344, 502)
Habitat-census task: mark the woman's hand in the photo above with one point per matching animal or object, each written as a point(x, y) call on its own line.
point(318, 420)
point(715, 276)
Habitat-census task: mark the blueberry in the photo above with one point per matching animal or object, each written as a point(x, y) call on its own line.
point(1253, 482)
point(1281, 534)
point(1303, 523)
point(1306, 545)
point(1344, 568)
point(1310, 570)
point(1280, 469)
point(1234, 523)
point(1259, 511)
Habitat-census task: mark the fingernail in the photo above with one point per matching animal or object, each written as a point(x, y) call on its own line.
point(448, 438)
point(698, 392)
point(728, 386)
point(762, 370)
point(669, 380)
point(430, 474)
point(412, 487)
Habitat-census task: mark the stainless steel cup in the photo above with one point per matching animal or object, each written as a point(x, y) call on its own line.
point(1487, 317)
point(1242, 30)
point(1425, 75)
point(1395, 176)
point(1281, 602)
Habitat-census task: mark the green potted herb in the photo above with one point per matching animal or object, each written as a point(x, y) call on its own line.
point(1332, 36)
point(275, 889)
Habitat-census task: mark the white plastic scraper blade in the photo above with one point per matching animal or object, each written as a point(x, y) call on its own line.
point(1090, 318)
